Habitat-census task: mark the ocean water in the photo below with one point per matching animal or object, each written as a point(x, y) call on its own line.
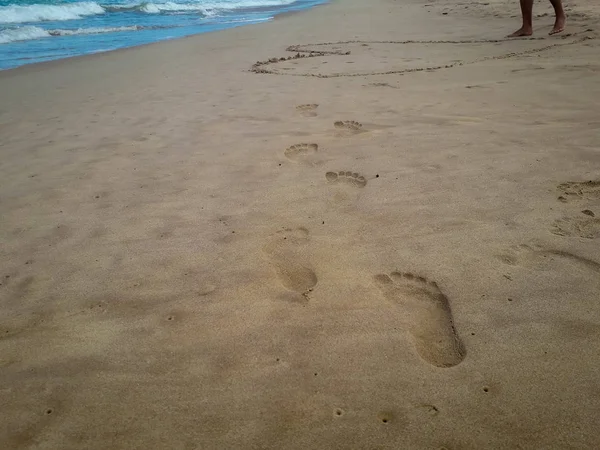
point(42, 30)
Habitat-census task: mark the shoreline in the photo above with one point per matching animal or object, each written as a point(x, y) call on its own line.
point(275, 17)
point(393, 243)
point(190, 40)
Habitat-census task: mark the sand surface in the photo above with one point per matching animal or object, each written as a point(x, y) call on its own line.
point(395, 248)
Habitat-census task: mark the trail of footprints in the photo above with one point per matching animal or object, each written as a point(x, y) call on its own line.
point(305, 152)
point(427, 313)
point(426, 310)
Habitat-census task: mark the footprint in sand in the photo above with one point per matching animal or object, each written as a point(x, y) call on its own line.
point(347, 188)
point(301, 153)
point(353, 179)
point(585, 227)
point(348, 125)
point(287, 252)
point(308, 110)
point(427, 315)
point(542, 258)
point(586, 190)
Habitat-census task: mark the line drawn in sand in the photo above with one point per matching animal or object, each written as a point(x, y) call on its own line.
point(341, 49)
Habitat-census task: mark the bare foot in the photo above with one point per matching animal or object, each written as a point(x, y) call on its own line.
point(559, 25)
point(523, 31)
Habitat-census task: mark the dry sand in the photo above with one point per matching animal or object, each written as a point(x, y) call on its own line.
point(195, 256)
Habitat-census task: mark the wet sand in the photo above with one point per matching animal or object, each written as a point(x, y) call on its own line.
point(360, 226)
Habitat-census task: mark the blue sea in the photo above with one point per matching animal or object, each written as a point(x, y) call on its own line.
point(33, 31)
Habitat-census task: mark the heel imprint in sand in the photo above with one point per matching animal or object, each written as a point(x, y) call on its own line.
point(428, 317)
point(351, 178)
point(287, 253)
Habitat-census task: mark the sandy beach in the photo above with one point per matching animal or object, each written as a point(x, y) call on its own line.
point(368, 225)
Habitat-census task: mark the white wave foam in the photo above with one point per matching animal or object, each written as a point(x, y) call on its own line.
point(237, 4)
point(202, 6)
point(230, 5)
point(22, 34)
point(40, 12)
point(28, 33)
point(154, 8)
point(244, 20)
point(72, 11)
point(92, 30)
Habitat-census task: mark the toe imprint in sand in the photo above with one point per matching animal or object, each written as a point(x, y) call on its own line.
point(301, 152)
point(351, 178)
point(428, 317)
point(348, 125)
point(588, 190)
point(308, 110)
point(585, 227)
point(288, 255)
